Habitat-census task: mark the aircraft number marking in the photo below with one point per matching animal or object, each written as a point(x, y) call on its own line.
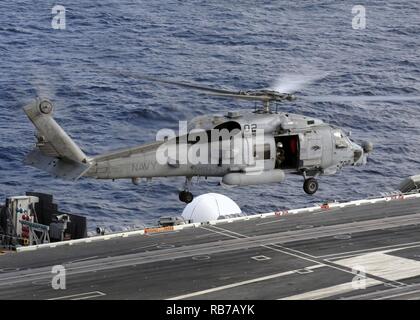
point(252, 127)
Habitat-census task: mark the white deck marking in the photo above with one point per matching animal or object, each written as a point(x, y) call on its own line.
point(385, 266)
point(329, 291)
point(218, 232)
point(81, 296)
point(399, 295)
point(159, 233)
point(268, 222)
point(260, 258)
point(230, 231)
point(390, 248)
point(241, 283)
point(83, 259)
point(304, 271)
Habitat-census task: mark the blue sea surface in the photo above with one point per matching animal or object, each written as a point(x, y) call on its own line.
point(236, 44)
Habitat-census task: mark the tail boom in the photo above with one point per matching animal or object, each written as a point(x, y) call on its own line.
point(55, 152)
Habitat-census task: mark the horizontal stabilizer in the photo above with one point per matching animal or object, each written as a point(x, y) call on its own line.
point(55, 152)
point(63, 168)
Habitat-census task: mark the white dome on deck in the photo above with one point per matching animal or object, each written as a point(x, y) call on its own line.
point(209, 207)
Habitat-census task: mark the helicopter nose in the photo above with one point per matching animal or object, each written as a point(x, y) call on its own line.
point(361, 153)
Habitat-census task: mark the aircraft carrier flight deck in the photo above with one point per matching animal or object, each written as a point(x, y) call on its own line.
point(368, 249)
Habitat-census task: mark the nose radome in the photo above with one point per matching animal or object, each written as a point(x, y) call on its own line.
point(367, 146)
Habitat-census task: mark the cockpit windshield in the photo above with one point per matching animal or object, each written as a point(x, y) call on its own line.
point(341, 140)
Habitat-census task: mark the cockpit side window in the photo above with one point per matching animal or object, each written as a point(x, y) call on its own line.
point(340, 139)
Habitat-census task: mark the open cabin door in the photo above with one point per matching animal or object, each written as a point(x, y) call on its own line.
point(287, 152)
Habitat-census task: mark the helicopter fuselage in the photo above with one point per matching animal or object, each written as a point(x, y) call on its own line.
point(290, 143)
point(243, 148)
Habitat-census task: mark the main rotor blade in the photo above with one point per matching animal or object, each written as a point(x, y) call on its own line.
point(186, 85)
point(290, 83)
point(243, 96)
point(255, 95)
point(358, 98)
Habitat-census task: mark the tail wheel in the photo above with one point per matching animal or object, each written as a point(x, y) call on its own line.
point(310, 185)
point(186, 196)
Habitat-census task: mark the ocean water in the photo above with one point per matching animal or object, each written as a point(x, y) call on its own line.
point(240, 44)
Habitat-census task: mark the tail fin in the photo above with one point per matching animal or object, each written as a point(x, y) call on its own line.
point(55, 152)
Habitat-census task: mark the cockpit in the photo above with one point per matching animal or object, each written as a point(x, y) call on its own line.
point(340, 139)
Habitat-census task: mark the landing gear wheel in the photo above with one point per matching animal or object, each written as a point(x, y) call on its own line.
point(186, 196)
point(310, 185)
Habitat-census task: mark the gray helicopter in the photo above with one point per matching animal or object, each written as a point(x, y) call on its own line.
point(242, 147)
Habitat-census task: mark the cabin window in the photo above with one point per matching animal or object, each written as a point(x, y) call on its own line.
point(262, 152)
